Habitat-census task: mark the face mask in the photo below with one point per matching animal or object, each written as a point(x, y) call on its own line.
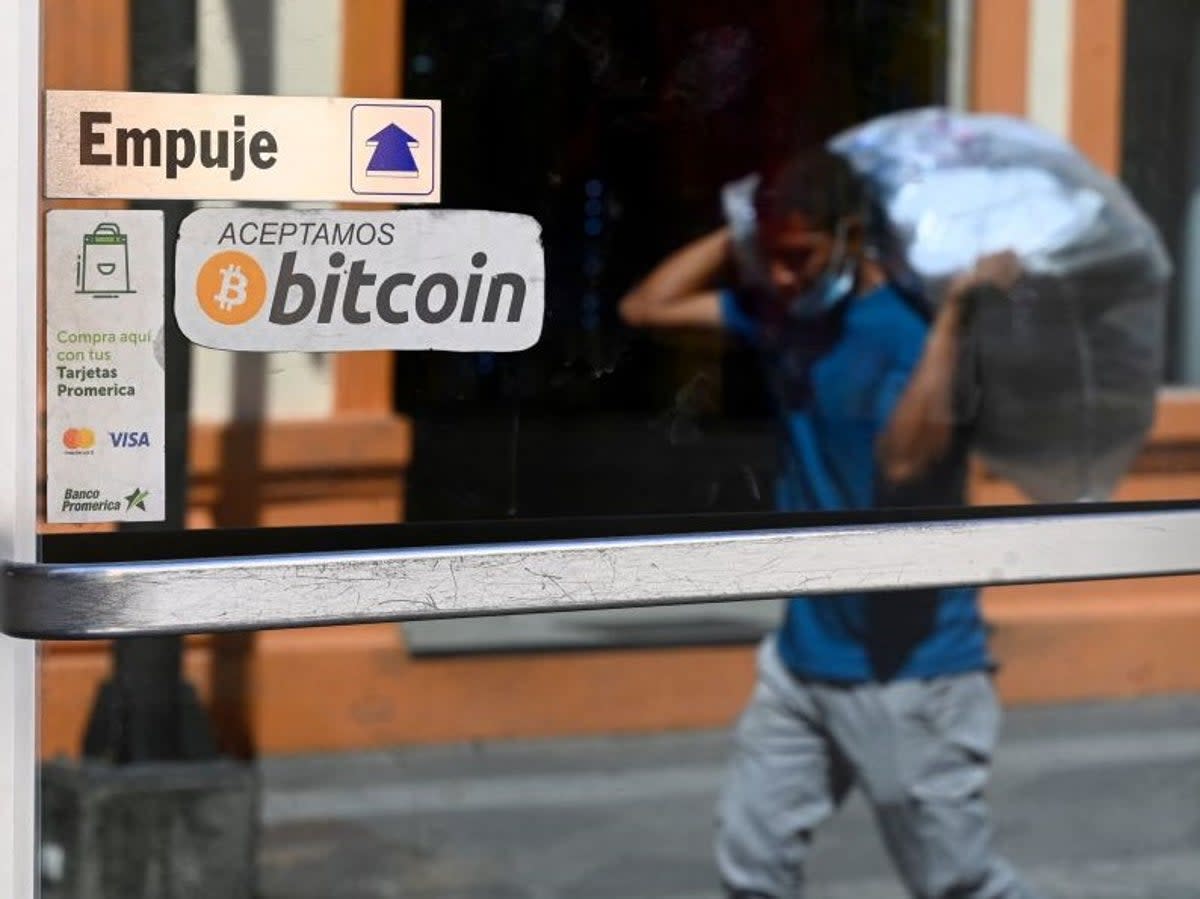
point(833, 286)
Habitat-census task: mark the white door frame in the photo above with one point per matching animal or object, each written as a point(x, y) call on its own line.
point(20, 252)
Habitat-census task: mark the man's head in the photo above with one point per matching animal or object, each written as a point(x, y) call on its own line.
point(812, 216)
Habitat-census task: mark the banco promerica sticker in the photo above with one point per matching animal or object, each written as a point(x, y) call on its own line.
point(322, 280)
point(105, 409)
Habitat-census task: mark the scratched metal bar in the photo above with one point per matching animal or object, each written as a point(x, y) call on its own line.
point(105, 600)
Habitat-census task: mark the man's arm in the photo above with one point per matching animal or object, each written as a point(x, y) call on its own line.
point(920, 429)
point(680, 291)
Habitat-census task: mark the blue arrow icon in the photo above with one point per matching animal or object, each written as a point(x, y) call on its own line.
point(393, 152)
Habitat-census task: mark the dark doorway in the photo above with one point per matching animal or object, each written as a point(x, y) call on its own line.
point(615, 125)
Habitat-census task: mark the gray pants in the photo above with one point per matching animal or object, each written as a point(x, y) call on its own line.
point(920, 749)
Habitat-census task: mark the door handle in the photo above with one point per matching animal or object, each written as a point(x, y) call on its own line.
point(95, 600)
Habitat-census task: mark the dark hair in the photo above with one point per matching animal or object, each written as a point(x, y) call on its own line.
point(818, 184)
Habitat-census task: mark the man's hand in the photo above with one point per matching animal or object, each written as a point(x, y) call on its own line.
point(1001, 270)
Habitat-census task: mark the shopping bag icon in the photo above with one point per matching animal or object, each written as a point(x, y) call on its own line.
point(102, 267)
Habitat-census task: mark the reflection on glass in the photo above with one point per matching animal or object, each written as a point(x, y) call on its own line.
point(628, 132)
point(715, 343)
point(643, 141)
point(879, 279)
point(933, 282)
point(630, 120)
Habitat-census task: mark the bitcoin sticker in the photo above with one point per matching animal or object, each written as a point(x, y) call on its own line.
point(231, 287)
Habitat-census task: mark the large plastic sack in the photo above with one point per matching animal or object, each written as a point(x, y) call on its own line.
point(1062, 370)
point(957, 186)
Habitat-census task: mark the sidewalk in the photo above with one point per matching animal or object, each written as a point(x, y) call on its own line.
point(1093, 802)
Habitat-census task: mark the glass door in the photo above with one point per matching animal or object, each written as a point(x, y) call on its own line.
point(423, 421)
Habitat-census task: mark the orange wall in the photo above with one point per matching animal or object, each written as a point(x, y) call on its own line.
point(999, 55)
point(1000, 78)
point(1096, 71)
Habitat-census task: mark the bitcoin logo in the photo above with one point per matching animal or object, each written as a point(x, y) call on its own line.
point(231, 287)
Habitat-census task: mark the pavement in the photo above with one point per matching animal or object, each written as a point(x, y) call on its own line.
point(1092, 801)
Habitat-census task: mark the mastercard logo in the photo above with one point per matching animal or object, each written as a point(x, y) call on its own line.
point(79, 438)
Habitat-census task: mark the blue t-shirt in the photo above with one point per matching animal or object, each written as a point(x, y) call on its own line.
point(837, 378)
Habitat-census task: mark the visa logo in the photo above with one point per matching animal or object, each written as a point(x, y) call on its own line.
point(129, 439)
